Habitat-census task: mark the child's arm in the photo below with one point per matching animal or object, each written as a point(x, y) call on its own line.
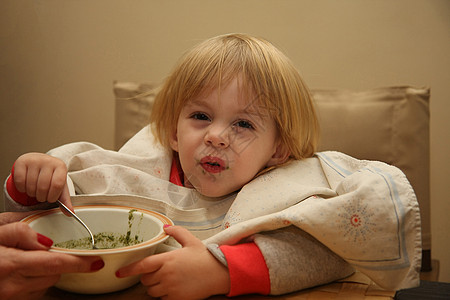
point(191, 272)
point(294, 261)
point(36, 178)
point(280, 261)
point(297, 261)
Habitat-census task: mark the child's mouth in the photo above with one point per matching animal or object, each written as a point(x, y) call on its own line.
point(212, 164)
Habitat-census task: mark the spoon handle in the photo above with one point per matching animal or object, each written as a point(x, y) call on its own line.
point(78, 219)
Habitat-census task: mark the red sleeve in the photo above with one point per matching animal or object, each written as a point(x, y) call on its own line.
point(175, 174)
point(248, 269)
point(17, 196)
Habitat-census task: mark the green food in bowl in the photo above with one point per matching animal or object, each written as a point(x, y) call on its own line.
point(106, 240)
point(103, 240)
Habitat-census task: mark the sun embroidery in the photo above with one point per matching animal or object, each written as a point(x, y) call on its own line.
point(355, 221)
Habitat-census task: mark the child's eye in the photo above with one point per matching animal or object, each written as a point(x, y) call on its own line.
point(200, 116)
point(244, 124)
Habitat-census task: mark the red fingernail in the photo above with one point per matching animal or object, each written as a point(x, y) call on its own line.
point(42, 239)
point(97, 265)
point(118, 274)
point(166, 225)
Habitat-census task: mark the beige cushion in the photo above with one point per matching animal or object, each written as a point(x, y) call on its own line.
point(386, 124)
point(134, 102)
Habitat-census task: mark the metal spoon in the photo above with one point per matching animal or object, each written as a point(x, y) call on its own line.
point(65, 208)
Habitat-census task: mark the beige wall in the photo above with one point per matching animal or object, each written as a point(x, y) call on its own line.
point(58, 59)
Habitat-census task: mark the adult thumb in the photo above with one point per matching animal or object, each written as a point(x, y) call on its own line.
point(21, 236)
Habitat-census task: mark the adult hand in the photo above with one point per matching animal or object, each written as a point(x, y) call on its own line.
point(42, 176)
point(27, 269)
point(10, 217)
point(191, 272)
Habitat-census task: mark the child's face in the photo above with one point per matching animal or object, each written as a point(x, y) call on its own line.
point(223, 143)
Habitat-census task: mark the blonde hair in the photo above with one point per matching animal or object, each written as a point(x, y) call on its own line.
point(266, 73)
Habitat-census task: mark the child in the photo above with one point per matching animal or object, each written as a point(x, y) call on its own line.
point(231, 157)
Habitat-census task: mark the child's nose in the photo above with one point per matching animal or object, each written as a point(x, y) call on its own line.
point(217, 136)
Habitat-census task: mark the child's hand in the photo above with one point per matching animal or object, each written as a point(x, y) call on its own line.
point(42, 176)
point(188, 273)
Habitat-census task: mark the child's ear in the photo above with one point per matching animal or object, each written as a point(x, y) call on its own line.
point(280, 156)
point(173, 140)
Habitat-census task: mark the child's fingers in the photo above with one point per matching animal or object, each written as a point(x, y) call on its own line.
point(156, 290)
point(43, 184)
point(41, 176)
point(31, 180)
point(150, 279)
point(182, 235)
point(19, 176)
point(57, 186)
point(65, 199)
point(149, 264)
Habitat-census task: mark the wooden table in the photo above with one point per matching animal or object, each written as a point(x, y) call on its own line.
point(354, 287)
point(341, 291)
point(138, 292)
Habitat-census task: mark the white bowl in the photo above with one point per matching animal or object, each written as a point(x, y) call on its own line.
point(148, 225)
